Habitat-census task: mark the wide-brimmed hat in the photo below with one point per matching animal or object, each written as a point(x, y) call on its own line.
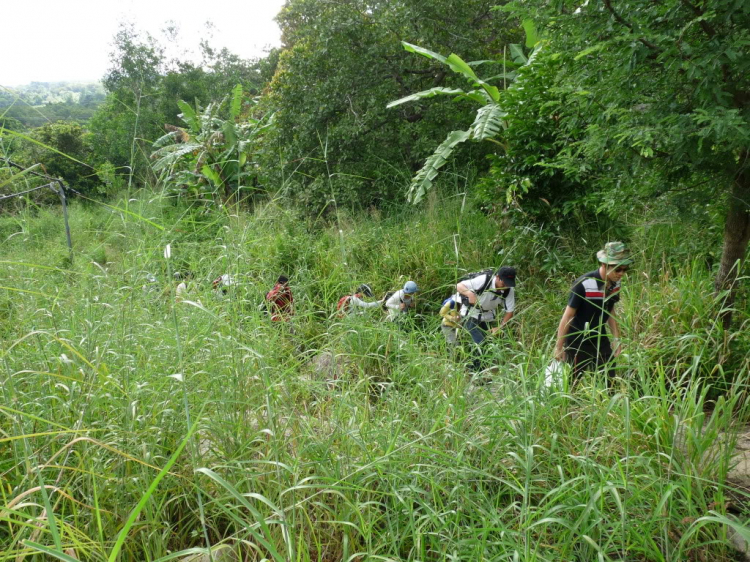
point(614, 253)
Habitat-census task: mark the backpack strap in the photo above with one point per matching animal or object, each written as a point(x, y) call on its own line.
point(487, 283)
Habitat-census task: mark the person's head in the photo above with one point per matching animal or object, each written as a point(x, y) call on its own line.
point(282, 280)
point(365, 289)
point(506, 277)
point(615, 260)
point(410, 287)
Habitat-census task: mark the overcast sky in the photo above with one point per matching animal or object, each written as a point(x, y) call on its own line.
point(55, 40)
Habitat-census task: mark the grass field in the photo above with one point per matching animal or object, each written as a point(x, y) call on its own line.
point(136, 428)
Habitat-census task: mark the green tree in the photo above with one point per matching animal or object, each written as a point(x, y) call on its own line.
point(66, 141)
point(143, 93)
point(340, 65)
point(663, 89)
point(128, 121)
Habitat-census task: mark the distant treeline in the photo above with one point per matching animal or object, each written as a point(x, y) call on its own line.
point(38, 103)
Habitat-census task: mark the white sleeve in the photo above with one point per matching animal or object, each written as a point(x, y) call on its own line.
point(394, 303)
point(476, 283)
point(356, 301)
point(510, 300)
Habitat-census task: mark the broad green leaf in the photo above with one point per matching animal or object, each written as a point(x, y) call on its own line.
point(491, 90)
point(422, 51)
point(422, 181)
point(532, 37)
point(188, 114)
point(516, 51)
point(488, 121)
point(479, 96)
point(458, 65)
point(230, 134)
point(236, 104)
point(426, 94)
point(213, 177)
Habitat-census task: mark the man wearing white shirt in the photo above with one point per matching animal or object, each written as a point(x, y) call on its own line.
point(481, 296)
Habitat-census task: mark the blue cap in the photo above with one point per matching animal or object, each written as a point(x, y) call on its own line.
point(410, 287)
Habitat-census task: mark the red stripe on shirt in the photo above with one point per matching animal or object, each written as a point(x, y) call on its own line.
point(595, 294)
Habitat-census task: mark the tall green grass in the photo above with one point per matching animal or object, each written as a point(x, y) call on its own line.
point(400, 456)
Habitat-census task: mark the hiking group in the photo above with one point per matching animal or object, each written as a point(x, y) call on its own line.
point(485, 301)
point(582, 338)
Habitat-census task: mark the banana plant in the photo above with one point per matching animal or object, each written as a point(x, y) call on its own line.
point(489, 119)
point(210, 154)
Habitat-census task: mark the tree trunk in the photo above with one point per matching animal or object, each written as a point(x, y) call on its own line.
point(736, 237)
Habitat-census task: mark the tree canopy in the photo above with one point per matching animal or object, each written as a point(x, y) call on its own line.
point(340, 65)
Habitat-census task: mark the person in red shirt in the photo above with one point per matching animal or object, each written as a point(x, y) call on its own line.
point(280, 301)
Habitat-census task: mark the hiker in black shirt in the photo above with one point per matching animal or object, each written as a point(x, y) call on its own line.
point(582, 334)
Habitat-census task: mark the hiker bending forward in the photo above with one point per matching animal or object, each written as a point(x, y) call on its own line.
point(353, 304)
point(280, 301)
point(582, 333)
point(401, 301)
point(481, 296)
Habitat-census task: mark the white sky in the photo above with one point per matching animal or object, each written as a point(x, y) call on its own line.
point(56, 40)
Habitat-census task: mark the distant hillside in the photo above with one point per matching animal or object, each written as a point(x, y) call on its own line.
point(39, 102)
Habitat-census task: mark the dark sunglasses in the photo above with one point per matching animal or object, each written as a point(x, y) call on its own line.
point(622, 269)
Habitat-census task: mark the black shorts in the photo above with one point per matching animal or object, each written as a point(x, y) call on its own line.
point(588, 355)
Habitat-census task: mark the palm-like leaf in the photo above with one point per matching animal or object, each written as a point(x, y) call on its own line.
point(439, 91)
point(488, 121)
point(422, 51)
point(236, 104)
point(490, 118)
point(168, 155)
point(422, 182)
point(188, 115)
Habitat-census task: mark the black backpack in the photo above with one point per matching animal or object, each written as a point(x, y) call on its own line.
point(489, 272)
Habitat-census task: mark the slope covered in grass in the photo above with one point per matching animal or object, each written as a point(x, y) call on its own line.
point(392, 453)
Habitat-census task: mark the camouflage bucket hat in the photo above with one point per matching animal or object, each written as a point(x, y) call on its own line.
point(614, 253)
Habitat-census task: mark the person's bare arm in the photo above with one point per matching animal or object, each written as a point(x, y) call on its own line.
point(466, 292)
point(562, 331)
point(505, 320)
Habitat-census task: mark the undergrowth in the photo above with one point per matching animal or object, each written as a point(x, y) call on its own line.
point(349, 439)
